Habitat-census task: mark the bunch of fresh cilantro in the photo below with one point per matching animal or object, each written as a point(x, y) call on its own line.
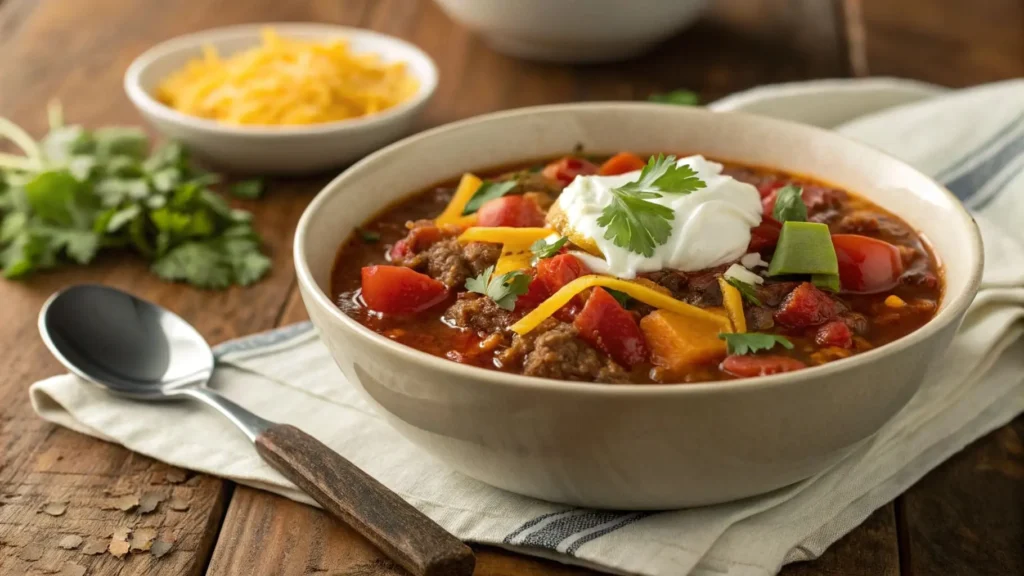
point(77, 192)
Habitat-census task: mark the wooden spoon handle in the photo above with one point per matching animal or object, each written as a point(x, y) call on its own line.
point(402, 532)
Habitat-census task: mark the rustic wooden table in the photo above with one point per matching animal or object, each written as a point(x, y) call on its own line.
point(966, 517)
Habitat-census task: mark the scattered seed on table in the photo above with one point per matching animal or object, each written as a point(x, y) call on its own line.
point(123, 503)
point(94, 547)
point(70, 542)
point(118, 548)
point(55, 508)
point(149, 502)
point(160, 548)
point(142, 539)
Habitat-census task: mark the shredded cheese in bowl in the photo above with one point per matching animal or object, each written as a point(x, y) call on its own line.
point(287, 82)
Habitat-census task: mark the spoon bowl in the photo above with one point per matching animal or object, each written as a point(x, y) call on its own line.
point(125, 344)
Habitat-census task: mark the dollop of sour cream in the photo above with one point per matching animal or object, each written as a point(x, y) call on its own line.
point(711, 226)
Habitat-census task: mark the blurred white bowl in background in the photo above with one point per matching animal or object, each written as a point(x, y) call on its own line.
point(573, 30)
point(293, 149)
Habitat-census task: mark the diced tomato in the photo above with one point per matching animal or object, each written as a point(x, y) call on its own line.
point(621, 163)
point(768, 187)
point(514, 211)
point(400, 290)
point(416, 240)
point(612, 329)
point(559, 270)
point(765, 235)
point(805, 306)
point(835, 333)
point(567, 169)
point(867, 265)
point(400, 250)
point(536, 293)
point(762, 365)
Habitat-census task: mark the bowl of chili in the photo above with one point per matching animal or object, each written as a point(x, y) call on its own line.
point(633, 306)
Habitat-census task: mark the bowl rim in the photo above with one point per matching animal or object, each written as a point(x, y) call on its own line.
point(151, 106)
point(957, 303)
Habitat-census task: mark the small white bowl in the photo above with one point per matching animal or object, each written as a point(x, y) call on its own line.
point(277, 149)
point(573, 31)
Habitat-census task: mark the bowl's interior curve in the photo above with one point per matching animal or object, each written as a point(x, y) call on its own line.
point(422, 160)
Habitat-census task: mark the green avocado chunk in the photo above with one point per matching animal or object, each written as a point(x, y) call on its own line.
point(804, 248)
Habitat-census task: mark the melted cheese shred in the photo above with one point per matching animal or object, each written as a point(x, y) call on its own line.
point(638, 291)
point(287, 82)
point(468, 185)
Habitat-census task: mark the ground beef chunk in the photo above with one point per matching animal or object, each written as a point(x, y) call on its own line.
point(452, 263)
point(696, 288)
point(772, 293)
point(872, 224)
point(759, 318)
point(858, 323)
point(479, 313)
point(554, 350)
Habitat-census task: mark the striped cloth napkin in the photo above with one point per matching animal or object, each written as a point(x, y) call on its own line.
point(973, 140)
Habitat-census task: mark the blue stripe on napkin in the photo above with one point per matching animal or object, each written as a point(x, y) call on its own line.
point(949, 172)
point(567, 530)
point(966, 185)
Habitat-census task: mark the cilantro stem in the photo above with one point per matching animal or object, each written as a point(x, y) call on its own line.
point(15, 134)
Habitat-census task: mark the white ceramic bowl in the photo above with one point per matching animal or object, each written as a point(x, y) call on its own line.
point(633, 447)
point(573, 30)
point(277, 149)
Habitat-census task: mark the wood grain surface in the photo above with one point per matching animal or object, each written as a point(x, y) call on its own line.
point(964, 518)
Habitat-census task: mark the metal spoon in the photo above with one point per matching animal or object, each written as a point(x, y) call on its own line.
point(139, 350)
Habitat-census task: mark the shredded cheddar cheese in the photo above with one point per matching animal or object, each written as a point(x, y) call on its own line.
point(515, 244)
point(638, 291)
point(894, 301)
point(287, 81)
point(504, 235)
point(733, 302)
point(452, 214)
point(513, 257)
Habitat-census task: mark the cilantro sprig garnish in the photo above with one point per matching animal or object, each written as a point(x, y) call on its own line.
point(77, 192)
point(789, 204)
point(542, 249)
point(502, 289)
point(751, 342)
point(631, 220)
point(746, 290)
point(485, 193)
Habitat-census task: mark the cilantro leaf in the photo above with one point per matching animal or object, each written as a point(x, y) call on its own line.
point(486, 192)
point(677, 97)
point(751, 342)
point(369, 236)
point(502, 289)
point(542, 249)
point(632, 220)
point(248, 189)
point(622, 298)
point(746, 291)
point(78, 191)
point(789, 204)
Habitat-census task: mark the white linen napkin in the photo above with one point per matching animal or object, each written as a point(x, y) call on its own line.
point(973, 140)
